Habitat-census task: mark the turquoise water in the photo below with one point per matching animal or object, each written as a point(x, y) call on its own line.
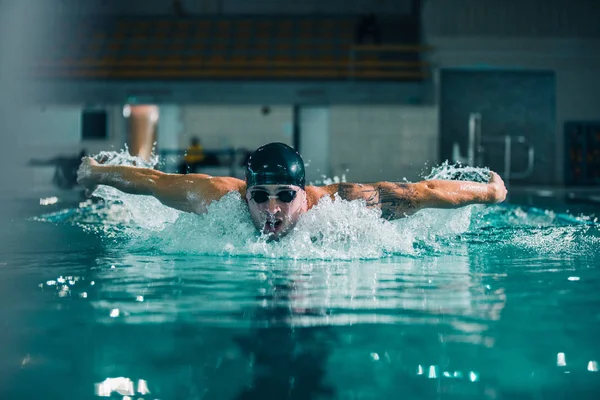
point(127, 297)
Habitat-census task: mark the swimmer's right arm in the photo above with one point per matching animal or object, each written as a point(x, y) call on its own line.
point(190, 193)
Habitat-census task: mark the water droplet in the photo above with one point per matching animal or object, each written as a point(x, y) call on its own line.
point(561, 360)
point(433, 372)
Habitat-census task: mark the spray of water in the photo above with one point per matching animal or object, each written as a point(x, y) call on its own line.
point(333, 229)
point(452, 172)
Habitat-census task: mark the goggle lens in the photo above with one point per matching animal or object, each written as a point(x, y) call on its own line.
point(262, 196)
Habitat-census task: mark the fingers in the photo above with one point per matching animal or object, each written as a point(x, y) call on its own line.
point(101, 160)
point(85, 175)
point(495, 178)
point(498, 184)
point(90, 161)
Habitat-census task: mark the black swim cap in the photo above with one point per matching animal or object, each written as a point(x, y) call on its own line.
point(275, 164)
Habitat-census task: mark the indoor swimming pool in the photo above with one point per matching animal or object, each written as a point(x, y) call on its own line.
point(127, 299)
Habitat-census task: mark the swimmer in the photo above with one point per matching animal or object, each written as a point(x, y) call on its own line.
point(275, 190)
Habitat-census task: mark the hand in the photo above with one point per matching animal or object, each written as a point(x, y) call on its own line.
point(499, 190)
point(86, 176)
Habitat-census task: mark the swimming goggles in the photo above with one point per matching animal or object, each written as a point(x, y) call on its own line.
point(262, 196)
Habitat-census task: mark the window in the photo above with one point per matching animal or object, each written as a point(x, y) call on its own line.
point(94, 125)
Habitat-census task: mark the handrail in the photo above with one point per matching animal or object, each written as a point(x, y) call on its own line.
point(390, 48)
point(225, 73)
point(476, 148)
point(157, 48)
point(231, 64)
point(508, 141)
point(357, 49)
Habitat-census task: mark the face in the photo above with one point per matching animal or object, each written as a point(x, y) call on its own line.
point(275, 209)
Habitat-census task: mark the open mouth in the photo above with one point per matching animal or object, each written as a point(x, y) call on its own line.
point(272, 226)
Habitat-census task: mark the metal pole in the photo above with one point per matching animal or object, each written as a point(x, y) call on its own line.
point(507, 158)
point(351, 65)
point(474, 139)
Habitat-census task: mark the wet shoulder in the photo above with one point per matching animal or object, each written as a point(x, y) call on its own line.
point(216, 186)
point(346, 191)
point(226, 184)
point(316, 193)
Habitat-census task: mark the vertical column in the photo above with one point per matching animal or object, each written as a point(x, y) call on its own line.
point(170, 127)
point(142, 132)
point(313, 130)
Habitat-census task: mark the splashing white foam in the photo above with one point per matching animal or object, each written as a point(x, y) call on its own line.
point(447, 171)
point(333, 229)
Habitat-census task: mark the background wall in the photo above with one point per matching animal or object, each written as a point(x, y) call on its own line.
point(371, 138)
point(367, 143)
point(559, 35)
point(391, 143)
point(47, 132)
point(236, 126)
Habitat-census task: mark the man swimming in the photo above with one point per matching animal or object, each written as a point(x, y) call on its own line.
point(275, 189)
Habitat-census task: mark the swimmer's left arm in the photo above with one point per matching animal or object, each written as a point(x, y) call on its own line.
point(397, 200)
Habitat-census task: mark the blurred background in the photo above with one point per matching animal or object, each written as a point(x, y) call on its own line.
point(366, 90)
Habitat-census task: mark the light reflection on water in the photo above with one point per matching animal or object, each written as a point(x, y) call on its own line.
point(490, 312)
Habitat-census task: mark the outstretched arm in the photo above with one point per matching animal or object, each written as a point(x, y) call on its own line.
point(190, 193)
point(398, 200)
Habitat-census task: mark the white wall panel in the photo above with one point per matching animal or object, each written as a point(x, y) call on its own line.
point(374, 143)
point(236, 126)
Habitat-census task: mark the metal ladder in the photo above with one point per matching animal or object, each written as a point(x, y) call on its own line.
point(477, 144)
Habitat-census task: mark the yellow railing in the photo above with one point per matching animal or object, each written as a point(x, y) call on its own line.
point(236, 49)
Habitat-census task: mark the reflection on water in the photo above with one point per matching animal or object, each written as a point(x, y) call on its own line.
point(503, 306)
point(211, 327)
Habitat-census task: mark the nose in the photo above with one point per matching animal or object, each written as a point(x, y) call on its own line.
point(273, 206)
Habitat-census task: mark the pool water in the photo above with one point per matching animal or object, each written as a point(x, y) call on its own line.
point(125, 298)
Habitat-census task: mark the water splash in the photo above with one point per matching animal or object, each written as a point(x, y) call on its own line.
point(124, 158)
point(453, 172)
point(333, 229)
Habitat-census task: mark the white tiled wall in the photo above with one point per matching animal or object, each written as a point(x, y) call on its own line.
point(368, 143)
point(382, 142)
point(236, 126)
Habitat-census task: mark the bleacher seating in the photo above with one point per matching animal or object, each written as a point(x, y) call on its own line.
point(226, 48)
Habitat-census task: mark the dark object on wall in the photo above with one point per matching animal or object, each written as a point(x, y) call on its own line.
point(582, 153)
point(368, 27)
point(65, 171)
point(94, 124)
